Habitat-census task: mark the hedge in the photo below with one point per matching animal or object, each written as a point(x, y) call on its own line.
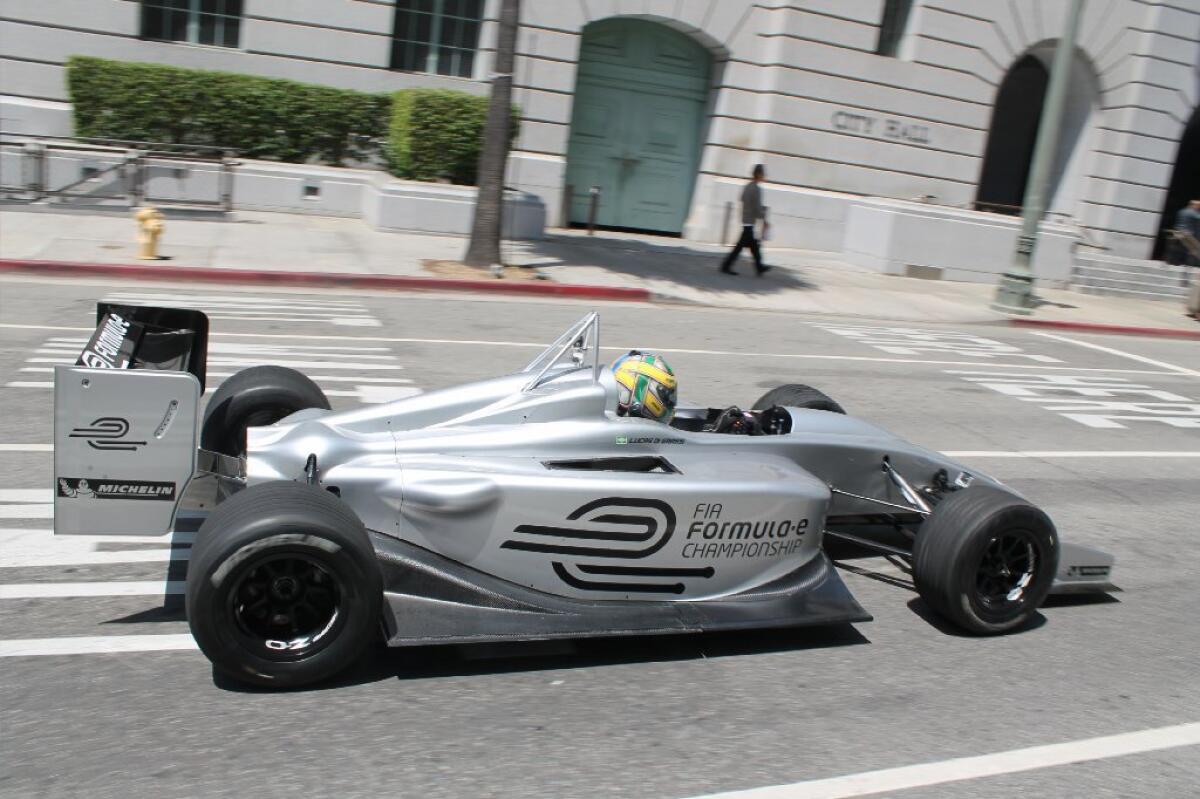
point(259, 117)
point(436, 134)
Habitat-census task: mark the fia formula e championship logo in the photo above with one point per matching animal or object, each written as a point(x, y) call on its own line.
point(594, 550)
point(108, 433)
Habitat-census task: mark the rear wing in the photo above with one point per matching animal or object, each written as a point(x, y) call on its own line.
point(126, 421)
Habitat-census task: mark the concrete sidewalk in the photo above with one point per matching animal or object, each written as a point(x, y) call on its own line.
point(802, 281)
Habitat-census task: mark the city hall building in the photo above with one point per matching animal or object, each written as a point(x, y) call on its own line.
point(897, 132)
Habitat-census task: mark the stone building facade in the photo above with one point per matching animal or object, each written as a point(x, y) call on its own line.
point(875, 119)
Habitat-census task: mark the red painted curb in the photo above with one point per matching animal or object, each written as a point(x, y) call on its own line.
point(1096, 327)
point(209, 274)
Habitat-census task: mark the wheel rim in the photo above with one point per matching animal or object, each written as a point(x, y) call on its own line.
point(1006, 572)
point(286, 606)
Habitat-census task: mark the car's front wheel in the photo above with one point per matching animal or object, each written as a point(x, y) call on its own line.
point(255, 397)
point(797, 395)
point(283, 588)
point(985, 559)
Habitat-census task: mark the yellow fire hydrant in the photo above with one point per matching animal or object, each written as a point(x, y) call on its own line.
point(150, 228)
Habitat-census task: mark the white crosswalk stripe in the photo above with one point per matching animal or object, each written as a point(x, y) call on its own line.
point(95, 645)
point(26, 548)
point(372, 367)
point(256, 308)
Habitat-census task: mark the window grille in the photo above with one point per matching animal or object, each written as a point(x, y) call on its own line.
point(436, 36)
point(214, 22)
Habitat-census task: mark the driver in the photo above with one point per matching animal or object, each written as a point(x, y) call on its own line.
point(645, 385)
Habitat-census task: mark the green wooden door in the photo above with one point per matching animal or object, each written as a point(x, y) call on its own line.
point(636, 123)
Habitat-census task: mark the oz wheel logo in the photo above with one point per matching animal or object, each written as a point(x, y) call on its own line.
point(594, 552)
point(108, 433)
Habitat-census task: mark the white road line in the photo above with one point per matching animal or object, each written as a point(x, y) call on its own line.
point(35, 560)
point(26, 495)
point(40, 547)
point(266, 359)
point(14, 511)
point(223, 375)
point(1067, 454)
point(973, 768)
point(30, 384)
point(26, 447)
point(114, 588)
point(95, 645)
point(1140, 358)
point(152, 296)
point(45, 537)
point(730, 353)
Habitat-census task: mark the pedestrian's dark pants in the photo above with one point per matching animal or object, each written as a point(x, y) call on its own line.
point(747, 240)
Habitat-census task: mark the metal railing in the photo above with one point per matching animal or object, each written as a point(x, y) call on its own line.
point(57, 169)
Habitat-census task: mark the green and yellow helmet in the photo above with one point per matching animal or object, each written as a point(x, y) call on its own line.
point(645, 385)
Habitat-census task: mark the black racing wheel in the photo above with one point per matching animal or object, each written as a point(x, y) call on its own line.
point(255, 397)
point(283, 588)
point(797, 395)
point(985, 559)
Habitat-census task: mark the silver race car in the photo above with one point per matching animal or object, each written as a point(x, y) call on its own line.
point(521, 507)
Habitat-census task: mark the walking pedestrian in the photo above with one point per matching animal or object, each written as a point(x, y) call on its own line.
point(752, 212)
point(1187, 232)
point(1187, 224)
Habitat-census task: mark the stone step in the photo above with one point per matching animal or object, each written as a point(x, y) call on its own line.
point(1147, 268)
point(1130, 293)
point(1128, 280)
point(1102, 258)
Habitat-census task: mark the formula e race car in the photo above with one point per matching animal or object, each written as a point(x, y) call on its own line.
point(520, 507)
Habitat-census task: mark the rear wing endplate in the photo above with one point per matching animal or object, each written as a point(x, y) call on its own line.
point(126, 422)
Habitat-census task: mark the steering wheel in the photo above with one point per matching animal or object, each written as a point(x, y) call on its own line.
point(732, 421)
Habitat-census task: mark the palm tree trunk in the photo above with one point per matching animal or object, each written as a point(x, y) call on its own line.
point(484, 249)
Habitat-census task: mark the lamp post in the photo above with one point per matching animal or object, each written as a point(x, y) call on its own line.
point(1014, 295)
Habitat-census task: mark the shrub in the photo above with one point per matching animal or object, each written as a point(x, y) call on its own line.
point(259, 117)
point(437, 133)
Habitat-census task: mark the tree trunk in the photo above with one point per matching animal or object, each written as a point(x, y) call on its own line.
point(484, 249)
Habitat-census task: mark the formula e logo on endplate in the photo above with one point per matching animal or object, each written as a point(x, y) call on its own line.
point(610, 532)
point(107, 433)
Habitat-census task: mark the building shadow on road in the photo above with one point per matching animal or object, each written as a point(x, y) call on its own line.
point(449, 661)
point(667, 259)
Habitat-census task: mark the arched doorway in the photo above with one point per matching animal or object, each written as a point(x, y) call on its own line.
point(1016, 116)
point(1015, 119)
point(636, 124)
point(1185, 181)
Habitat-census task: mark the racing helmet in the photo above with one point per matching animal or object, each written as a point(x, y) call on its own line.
point(645, 386)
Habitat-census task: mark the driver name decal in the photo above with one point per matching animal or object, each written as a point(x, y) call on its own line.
point(648, 440)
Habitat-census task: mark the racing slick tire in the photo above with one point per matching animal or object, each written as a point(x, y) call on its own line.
point(283, 587)
point(255, 397)
point(985, 559)
point(797, 395)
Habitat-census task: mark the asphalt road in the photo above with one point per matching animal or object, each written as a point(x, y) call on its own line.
point(660, 717)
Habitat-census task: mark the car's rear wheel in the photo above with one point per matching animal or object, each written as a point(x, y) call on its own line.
point(254, 397)
point(797, 395)
point(283, 588)
point(985, 559)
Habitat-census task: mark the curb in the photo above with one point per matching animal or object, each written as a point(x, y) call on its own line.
point(1096, 327)
point(213, 274)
